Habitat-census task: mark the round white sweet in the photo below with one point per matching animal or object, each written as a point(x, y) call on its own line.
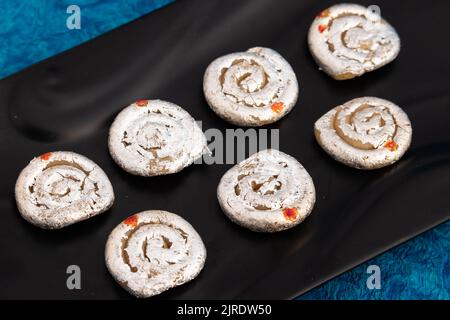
point(269, 191)
point(251, 88)
point(153, 251)
point(60, 188)
point(348, 40)
point(154, 137)
point(365, 133)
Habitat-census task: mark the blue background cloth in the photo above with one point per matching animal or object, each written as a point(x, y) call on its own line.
point(33, 30)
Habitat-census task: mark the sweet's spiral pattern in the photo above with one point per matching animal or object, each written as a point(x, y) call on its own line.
point(365, 133)
point(270, 191)
point(153, 251)
point(251, 88)
point(154, 137)
point(348, 40)
point(61, 188)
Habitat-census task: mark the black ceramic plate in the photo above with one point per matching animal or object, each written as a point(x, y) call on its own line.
point(69, 101)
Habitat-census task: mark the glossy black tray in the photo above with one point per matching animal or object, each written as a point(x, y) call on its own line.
point(69, 101)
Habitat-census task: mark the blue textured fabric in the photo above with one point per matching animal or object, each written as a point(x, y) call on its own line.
point(417, 269)
point(33, 30)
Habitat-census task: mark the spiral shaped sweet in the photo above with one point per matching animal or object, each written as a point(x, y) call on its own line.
point(347, 40)
point(251, 88)
point(153, 251)
point(269, 191)
point(60, 188)
point(154, 137)
point(365, 133)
